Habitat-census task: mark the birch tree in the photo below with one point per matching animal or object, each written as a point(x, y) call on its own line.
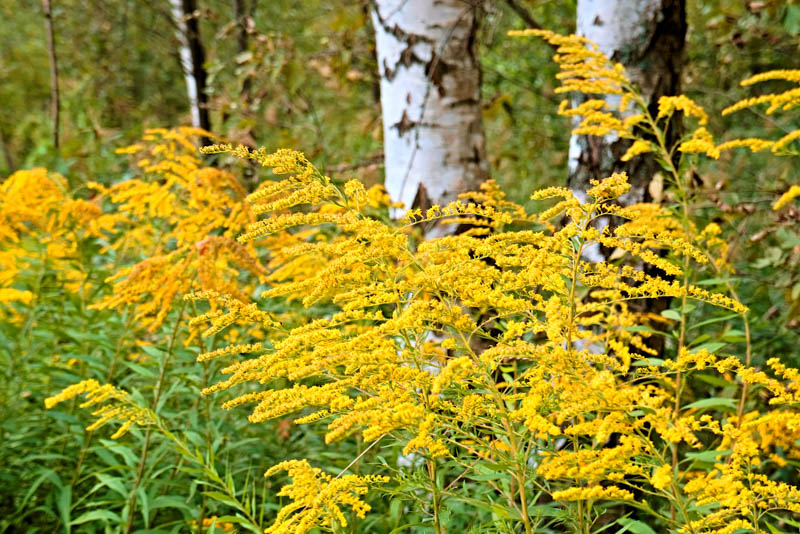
point(430, 99)
point(648, 37)
point(192, 55)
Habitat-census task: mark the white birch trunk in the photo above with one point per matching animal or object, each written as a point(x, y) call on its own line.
point(186, 61)
point(430, 98)
point(647, 36)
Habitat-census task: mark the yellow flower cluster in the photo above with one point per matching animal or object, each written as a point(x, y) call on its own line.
point(186, 217)
point(786, 100)
point(317, 498)
point(610, 493)
point(42, 223)
point(112, 405)
point(583, 67)
point(701, 142)
point(668, 105)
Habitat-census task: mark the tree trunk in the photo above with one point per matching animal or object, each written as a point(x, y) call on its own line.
point(244, 20)
point(193, 57)
point(648, 37)
point(430, 98)
point(55, 100)
point(6, 152)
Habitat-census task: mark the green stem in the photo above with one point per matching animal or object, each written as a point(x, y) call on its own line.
point(148, 433)
point(437, 525)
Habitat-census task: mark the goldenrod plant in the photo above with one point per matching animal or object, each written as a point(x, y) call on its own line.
point(491, 380)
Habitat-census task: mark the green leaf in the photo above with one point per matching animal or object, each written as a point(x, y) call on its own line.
point(640, 328)
point(150, 350)
point(707, 456)
point(64, 505)
point(169, 501)
point(734, 335)
point(221, 497)
point(144, 502)
point(406, 527)
point(647, 361)
point(714, 380)
point(715, 281)
point(791, 19)
point(141, 369)
point(634, 526)
point(96, 515)
point(671, 314)
point(774, 530)
point(711, 347)
point(713, 402)
point(47, 474)
point(713, 320)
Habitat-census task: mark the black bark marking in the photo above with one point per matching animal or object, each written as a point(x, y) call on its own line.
point(422, 200)
point(405, 124)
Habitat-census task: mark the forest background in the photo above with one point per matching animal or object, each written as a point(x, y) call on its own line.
point(303, 75)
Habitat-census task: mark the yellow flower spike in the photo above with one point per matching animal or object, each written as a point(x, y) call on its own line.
point(609, 188)
point(316, 496)
point(755, 145)
point(8, 294)
point(792, 193)
point(784, 141)
point(662, 477)
point(638, 147)
point(667, 105)
point(113, 405)
point(611, 493)
point(701, 142)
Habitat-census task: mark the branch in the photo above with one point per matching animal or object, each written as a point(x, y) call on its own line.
point(373, 160)
point(524, 15)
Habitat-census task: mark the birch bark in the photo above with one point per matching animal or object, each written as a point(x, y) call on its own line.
point(192, 55)
point(648, 37)
point(430, 99)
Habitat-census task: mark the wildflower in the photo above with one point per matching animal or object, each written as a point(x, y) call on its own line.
point(112, 404)
point(317, 498)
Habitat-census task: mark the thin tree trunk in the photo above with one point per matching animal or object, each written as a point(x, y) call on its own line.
point(55, 99)
point(6, 152)
point(243, 20)
point(430, 98)
point(648, 37)
point(193, 57)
